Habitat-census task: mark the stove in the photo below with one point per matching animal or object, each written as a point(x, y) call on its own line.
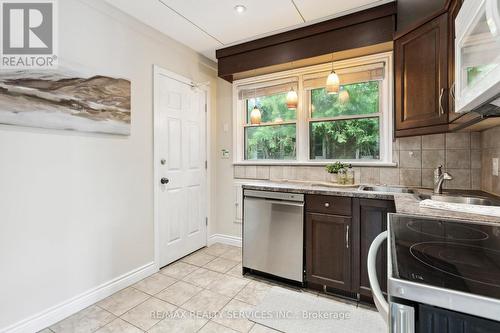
point(444, 264)
point(454, 255)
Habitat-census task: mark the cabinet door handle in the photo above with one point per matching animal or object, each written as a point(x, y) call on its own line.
point(441, 109)
point(327, 204)
point(347, 237)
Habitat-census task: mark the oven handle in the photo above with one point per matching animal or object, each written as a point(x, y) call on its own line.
point(378, 296)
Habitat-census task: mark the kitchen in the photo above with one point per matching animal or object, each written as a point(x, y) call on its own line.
point(251, 166)
point(328, 235)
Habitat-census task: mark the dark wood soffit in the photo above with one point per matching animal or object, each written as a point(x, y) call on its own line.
point(365, 34)
point(304, 32)
point(368, 27)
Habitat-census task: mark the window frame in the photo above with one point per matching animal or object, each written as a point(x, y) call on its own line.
point(310, 120)
point(284, 123)
point(303, 118)
point(246, 125)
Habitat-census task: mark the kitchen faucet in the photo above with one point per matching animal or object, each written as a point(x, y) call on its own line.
point(439, 178)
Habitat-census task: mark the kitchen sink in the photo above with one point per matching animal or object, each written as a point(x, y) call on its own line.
point(386, 189)
point(328, 184)
point(460, 199)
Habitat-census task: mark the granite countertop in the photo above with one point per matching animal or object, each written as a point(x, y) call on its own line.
point(405, 203)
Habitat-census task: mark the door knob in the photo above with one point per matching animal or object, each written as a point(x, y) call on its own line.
point(164, 181)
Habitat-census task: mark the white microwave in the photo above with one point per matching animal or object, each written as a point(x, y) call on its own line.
point(477, 55)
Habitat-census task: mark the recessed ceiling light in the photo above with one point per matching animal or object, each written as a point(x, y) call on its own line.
point(240, 9)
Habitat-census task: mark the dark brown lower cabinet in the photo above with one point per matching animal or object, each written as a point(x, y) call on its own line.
point(337, 245)
point(372, 217)
point(328, 252)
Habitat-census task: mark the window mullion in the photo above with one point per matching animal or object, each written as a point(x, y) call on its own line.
point(288, 122)
point(361, 116)
point(302, 124)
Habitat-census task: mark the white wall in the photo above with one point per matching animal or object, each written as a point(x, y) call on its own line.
point(76, 210)
point(225, 224)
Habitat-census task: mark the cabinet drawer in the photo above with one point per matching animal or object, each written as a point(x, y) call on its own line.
point(327, 204)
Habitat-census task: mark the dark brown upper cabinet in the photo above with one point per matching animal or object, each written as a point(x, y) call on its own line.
point(452, 14)
point(412, 14)
point(424, 57)
point(421, 77)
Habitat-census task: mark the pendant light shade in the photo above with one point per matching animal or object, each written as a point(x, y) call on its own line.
point(343, 96)
point(292, 99)
point(332, 83)
point(255, 116)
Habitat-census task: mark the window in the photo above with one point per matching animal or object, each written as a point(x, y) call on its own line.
point(345, 126)
point(274, 138)
point(354, 126)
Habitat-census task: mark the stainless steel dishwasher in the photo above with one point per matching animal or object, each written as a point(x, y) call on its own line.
point(273, 233)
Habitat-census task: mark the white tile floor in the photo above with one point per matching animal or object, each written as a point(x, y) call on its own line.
point(200, 284)
point(182, 297)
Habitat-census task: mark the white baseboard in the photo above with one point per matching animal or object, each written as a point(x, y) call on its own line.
point(224, 239)
point(67, 308)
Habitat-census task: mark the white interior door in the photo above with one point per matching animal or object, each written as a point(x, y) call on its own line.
point(180, 167)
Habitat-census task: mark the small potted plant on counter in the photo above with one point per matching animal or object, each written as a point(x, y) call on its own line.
point(334, 170)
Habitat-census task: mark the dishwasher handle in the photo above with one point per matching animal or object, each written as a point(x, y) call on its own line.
point(277, 202)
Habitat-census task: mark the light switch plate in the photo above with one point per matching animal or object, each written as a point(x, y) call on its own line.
point(495, 166)
point(225, 154)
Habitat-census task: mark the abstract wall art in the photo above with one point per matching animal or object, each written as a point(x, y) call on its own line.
point(65, 100)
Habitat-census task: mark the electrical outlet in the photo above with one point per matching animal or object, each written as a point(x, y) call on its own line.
point(495, 166)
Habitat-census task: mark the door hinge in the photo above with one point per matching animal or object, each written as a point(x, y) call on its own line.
point(206, 221)
point(206, 164)
point(206, 108)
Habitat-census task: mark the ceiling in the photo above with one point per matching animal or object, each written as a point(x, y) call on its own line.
point(207, 25)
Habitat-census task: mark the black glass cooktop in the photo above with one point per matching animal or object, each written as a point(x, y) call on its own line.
point(448, 254)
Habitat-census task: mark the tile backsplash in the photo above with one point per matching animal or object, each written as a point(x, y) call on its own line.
point(417, 157)
point(490, 141)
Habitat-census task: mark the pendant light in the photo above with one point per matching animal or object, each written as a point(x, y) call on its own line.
point(255, 115)
point(343, 96)
point(332, 82)
point(292, 99)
